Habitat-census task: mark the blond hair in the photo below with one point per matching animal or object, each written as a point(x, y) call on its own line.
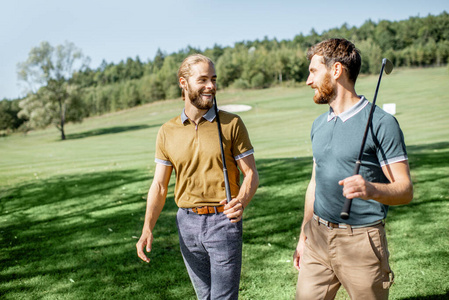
point(185, 68)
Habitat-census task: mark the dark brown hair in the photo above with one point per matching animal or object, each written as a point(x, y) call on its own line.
point(338, 50)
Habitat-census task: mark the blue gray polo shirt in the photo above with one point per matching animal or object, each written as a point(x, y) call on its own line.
point(336, 142)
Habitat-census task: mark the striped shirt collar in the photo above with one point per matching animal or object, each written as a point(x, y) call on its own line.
point(209, 116)
point(347, 114)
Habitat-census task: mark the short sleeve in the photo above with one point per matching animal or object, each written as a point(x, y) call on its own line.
point(161, 156)
point(390, 139)
point(241, 146)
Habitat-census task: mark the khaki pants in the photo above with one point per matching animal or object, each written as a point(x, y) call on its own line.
point(356, 258)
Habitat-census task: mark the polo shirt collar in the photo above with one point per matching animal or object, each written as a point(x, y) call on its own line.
point(347, 114)
point(209, 116)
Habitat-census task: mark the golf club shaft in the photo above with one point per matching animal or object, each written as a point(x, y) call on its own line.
point(347, 205)
point(225, 170)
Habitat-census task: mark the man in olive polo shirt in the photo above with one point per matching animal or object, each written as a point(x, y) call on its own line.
point(331, 251)
point(210, 230)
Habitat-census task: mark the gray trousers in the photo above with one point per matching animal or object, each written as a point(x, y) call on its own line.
point(212, 250)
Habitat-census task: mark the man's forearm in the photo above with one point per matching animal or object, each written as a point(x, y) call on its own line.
point(155, 203)
point(250, 180)
point(248, 187)
point(156, 195)
point(396, 193)
point(308, 207)
point(309, 202)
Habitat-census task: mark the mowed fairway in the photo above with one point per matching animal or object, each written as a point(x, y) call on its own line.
point(71, 211)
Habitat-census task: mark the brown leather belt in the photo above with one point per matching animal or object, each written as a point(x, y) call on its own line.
point(203, 210)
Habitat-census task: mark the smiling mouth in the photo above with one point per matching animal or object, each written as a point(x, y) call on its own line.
point(208, 96)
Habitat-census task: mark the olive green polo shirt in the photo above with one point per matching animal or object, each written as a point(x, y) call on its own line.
point(194, 152)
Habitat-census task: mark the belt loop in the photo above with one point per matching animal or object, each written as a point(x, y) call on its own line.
point(215, 208)
point(349, 229)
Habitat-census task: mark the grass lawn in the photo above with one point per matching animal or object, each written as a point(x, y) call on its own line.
point(71, 211)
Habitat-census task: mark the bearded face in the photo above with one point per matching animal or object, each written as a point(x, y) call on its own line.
point(199, 88)
point(199, 98)
point(325, 92)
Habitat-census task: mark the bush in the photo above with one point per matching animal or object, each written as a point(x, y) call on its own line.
point(240, 84)
point(258, 81)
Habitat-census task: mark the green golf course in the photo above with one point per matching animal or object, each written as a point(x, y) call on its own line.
point(72, 211)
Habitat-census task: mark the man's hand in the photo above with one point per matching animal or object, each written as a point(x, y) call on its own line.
point(398, 191)
point(233, 210)
point(357, 187)
point(145, 241)
point(298, 254)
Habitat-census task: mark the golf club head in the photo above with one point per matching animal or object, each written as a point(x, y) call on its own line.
point(388, 66)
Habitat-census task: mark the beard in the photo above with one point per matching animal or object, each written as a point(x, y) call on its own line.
point(326, 92)
point(197, 100)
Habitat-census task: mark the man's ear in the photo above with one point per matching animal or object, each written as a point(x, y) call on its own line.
point(182, 82)
point(337, 70)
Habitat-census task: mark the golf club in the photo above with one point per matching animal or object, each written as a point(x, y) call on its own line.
point(225, 170)
point(387, 66)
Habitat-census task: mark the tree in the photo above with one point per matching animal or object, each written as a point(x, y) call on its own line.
point(50, 105)
point(159, 59)
point(371, 56)
point(49, 70)
point(168, 78)
point(214, 53)
point(8, 115)
point(227, 69)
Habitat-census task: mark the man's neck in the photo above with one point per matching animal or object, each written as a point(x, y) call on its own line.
point(344, 100)
point(193, 113)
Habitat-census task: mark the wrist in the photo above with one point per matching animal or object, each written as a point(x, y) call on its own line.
point(242, 202)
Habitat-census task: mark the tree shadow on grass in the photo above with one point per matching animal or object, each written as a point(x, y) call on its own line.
point(428, 147)
point(74, 237)
point(432, 297)
point(278, 205)
point(107, 130)
point(430, 165)
point(271, 225)
point(421, 226)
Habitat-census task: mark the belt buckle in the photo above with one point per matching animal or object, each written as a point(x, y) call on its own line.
point(324, 222)
point(343, 226)
point(330, 225)
point(197, 210)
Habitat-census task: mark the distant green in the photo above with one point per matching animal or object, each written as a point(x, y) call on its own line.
point(419, 41)
point(71, 211)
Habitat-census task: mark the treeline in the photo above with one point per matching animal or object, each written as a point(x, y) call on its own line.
point(255, 64)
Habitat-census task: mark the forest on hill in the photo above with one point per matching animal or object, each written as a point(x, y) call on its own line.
point(71, 96)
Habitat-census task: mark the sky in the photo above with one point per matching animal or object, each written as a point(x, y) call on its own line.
point(114, 30)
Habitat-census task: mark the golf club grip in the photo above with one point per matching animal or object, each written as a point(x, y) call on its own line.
point(227, 187)
point(346, 208)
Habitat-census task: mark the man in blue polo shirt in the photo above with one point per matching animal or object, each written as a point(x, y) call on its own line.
point(331, 251)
